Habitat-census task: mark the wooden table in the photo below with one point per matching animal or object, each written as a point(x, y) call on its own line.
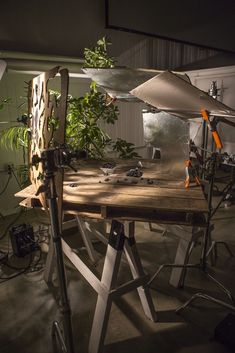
point(155, 197)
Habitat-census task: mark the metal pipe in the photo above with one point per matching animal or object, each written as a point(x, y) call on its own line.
point(4, 54)
point(17, 61)
point(206, 297)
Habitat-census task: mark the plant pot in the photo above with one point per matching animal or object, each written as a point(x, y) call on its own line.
point(119, 81)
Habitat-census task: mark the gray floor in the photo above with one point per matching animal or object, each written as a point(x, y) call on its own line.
point(28, 309)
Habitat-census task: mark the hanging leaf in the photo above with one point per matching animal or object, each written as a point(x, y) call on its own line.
point(97, 56)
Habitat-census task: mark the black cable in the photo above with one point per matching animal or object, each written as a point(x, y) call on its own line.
point(11, 223)
point(4, 279)
point(17, 180)
point(6, 185)
point(19, 268)
point(32, 266)
point(26, 269)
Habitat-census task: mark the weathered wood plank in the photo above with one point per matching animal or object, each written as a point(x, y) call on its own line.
point(96, 188)
point(91, 194)
point(138, 201)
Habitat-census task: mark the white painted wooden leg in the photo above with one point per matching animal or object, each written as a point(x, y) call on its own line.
point(86, 239)
point(188, 238)
point(182, 256)
point(137, 270)
point(104, 301)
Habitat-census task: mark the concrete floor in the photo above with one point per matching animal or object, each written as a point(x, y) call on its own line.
point(28, 308)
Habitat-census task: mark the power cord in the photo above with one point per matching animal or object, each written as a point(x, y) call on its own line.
point(6, 185)
point(31, 266)
point(17, 180)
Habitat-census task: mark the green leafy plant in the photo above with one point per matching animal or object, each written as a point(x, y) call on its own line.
point(3, 102)
point(83, 118)
point(125, 149)
point(84, 115)
point(98, 56)
point(14, 138)
point(83, 130)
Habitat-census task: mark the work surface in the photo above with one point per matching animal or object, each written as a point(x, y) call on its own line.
point(156, 196)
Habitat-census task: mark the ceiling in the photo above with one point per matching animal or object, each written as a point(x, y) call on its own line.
point(67, 27)
point(57, 27)
point(207, 23)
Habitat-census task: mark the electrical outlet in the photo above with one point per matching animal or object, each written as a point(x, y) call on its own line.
point(8, 168)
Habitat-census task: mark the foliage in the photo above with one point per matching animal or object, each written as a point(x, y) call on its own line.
point(82, 127)
point(84, 115)
point(97, 57)
point(14, 137)
point(125, 149)
point(3, 102)
point(23, 175)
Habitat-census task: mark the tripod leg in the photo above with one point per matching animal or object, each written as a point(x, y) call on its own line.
point(64, 302)
point(58, 343)
point(50, 263)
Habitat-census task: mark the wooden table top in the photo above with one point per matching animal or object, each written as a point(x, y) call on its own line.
point(156, 196)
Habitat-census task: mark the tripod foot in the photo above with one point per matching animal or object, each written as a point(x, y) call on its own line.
point(58, 342)
point(206, 297)
point(214, 246)
point(224, 289)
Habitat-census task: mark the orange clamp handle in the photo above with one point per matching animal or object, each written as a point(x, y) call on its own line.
point(205, 115)
point(215, 134)
point(217, 139)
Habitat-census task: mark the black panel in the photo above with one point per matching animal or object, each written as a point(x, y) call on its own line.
point(207, 23)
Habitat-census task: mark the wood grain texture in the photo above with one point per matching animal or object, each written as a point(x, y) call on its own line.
point(47, 125)
point(91, 194)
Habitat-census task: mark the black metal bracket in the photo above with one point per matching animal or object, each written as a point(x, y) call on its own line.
point(117, 235)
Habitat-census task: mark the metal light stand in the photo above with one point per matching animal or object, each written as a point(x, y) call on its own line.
point(62, 342)
point(202, 265)
point(204, 249)
point(229, 186)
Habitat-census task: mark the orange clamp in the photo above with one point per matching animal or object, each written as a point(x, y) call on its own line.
point(190, 172)
point(214, 132)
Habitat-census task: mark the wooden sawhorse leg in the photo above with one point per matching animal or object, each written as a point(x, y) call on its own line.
point(117, 243)
point(86, 239)
point(189, 237)
point(50, 261)
point(133, 259)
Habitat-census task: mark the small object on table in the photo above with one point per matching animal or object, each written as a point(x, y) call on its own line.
point(108, 168)
point(135, 172)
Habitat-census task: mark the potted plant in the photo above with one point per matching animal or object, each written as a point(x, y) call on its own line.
point(117, 81)
point(84, 115)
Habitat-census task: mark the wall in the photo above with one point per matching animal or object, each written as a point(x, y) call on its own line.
point(12, 86)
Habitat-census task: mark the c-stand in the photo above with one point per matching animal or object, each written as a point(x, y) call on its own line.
point(210, 175)
point(202, 265)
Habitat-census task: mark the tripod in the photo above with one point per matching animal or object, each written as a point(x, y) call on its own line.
point(202, 265)
point(49, 159)
point(204, 262)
